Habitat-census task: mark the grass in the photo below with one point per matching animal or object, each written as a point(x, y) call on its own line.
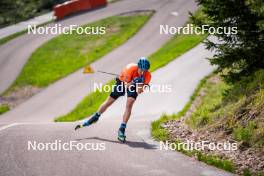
point(228, 106)
point(246, 99)
point(175, 47)
point(65, 54)
point(161, 134)
point(236, 108)
point(216, 161)
point(157, 131)
point(247, 172)
point(3, 109)
point(209, 103)
point(10, 37)
point(88, 105)
point(112, 1)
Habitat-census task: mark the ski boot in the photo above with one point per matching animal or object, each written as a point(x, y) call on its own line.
point(88, 122)
point(121, 135)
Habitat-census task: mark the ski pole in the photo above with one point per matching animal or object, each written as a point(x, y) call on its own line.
point(87, 69)
point(107, 73)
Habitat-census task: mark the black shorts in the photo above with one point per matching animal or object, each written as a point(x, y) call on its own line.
point(120, 90)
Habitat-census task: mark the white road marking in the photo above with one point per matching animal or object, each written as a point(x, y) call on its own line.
point(31, 123)
point(175, 13)
point(8, 126)
point(34, 123)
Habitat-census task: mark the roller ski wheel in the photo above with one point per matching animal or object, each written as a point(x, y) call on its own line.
point(77, 127)
point(121, 136)
point(122, 139)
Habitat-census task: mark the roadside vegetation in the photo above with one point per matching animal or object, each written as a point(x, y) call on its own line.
point(229, 111)
point(227, 105)
point(236, 109)
point(160, 133)
point(10, 37)
point(175, 47)
point(3, 109)
point(19, 10)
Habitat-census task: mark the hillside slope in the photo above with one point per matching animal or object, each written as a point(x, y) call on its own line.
point(224, 113)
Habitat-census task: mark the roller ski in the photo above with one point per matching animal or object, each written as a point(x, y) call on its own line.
point(121, 133)
point(88, 122)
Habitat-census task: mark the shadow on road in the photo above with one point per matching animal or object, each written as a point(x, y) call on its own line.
point(132, 144)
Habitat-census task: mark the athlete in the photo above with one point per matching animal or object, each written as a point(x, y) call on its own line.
point(131, 80)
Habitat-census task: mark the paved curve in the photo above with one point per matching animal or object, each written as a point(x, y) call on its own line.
point(53, 102)
point(139, 156)
point(12, 62)
point(18, 27)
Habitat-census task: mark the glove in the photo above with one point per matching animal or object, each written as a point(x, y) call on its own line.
point(138, 80)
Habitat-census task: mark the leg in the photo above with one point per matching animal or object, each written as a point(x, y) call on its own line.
point(101, 110)
point(108, 102)
point(129, 105)
point(126, 116)
point(131, 98)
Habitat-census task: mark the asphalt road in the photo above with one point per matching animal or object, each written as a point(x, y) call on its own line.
point(15, 53)
point(53, 102)
point(32, 120)
point(139, 156)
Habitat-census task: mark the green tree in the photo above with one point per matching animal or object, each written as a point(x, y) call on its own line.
point(13, 11)
point(236, 54)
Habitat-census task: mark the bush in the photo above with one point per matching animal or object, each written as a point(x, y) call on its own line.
point(18, 10)
point(238, 54)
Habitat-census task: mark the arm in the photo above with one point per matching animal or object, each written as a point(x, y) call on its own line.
point(140, 88)
point(139, 82)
